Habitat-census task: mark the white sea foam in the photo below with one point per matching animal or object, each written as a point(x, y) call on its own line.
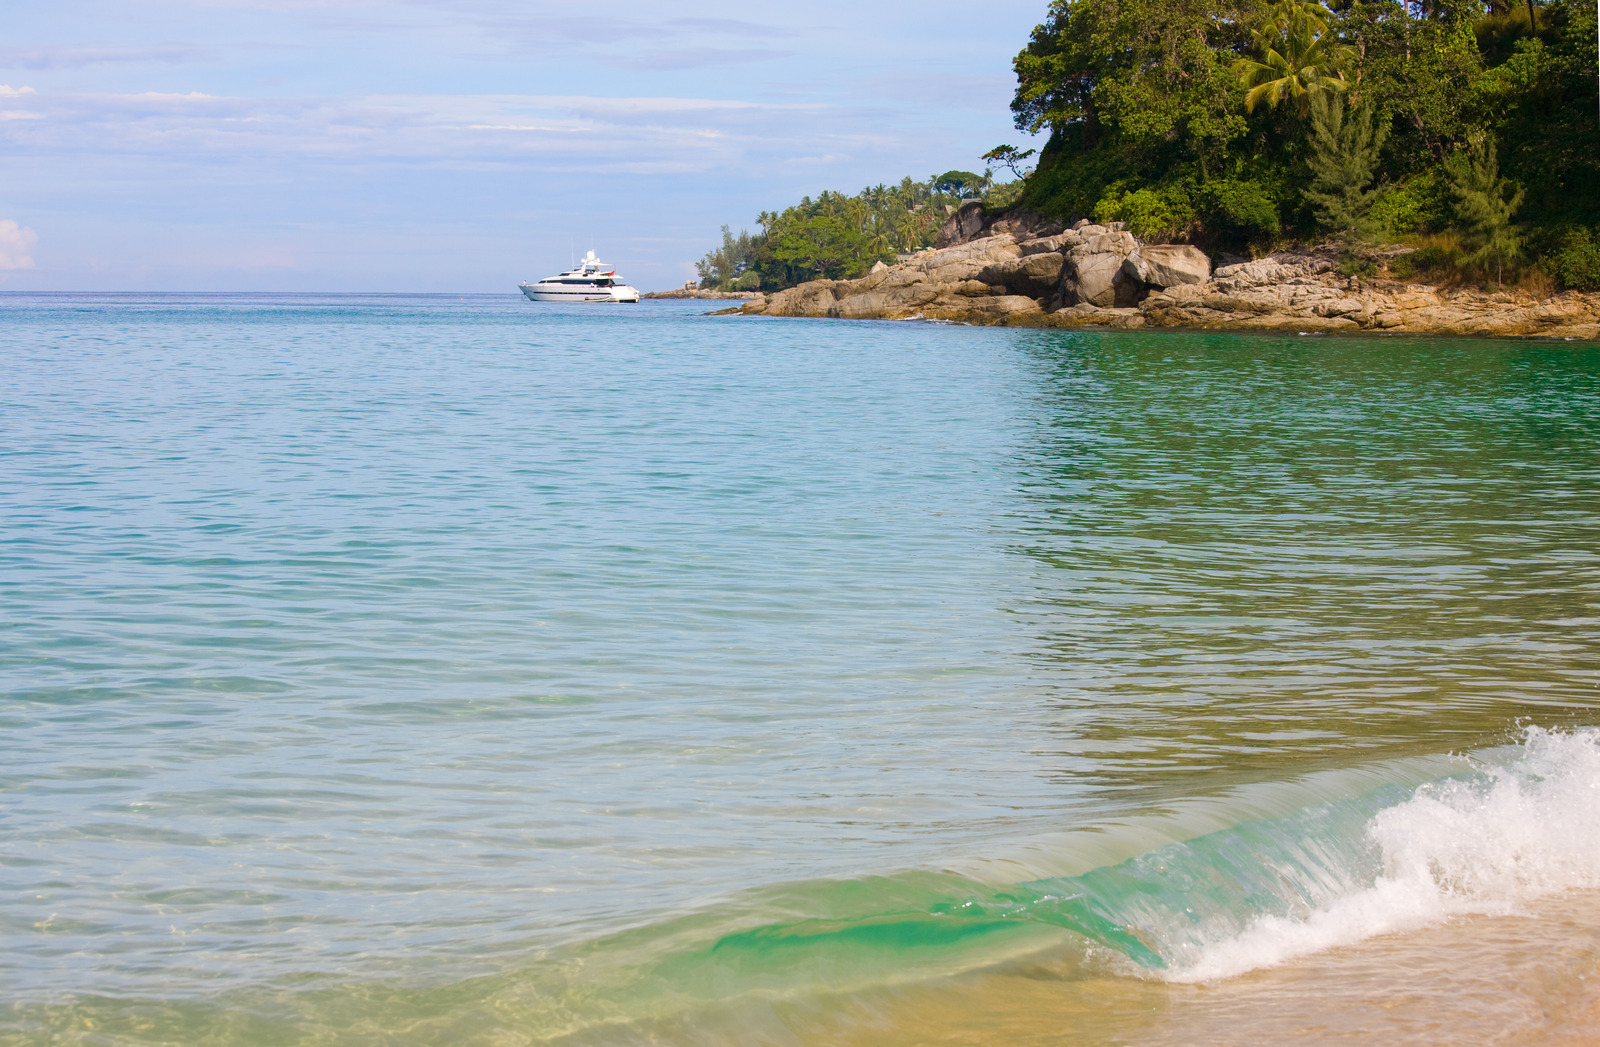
point(1528, 827)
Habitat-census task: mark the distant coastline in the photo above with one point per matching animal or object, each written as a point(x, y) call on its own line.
point(692, 291)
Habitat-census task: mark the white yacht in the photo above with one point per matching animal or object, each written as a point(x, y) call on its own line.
point(591, 280)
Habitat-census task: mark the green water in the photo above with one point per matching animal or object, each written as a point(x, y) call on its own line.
point(416, 669)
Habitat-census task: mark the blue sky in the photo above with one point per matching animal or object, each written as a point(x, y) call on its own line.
point(463, 145)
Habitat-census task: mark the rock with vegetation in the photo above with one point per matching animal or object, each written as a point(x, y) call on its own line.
point(1181, 130)
point(836, 236)
point(1466, 127)
point(1098, 277)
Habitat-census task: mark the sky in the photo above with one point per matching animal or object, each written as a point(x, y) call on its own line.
point(463, 145)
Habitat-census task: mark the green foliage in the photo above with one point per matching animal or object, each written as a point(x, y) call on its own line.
point(1577, 262)
point(1485, 203)
point(1002, 195)
point(1240, 210)
point(1421, 204)
point(1424, 261)
point(1343, 159)
point(1539, 105)
point(1298, 57)
point(724, 266)
point(1153, 102)
point(965, 184)
point(836, 235)
point(824, 245)
point(1152, 76)
point(1420, 74)
point(1356, 263)
point(1157, 214)
point(1071, 179)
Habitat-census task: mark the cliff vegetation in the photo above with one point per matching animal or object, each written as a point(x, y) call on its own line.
point(1466, 129)
point(1451, 141)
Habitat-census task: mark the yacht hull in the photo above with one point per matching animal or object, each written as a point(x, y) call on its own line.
point(570, 293)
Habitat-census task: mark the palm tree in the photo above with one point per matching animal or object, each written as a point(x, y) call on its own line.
point(1299, 53)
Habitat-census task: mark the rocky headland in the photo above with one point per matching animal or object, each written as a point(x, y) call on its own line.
point(1021, 271)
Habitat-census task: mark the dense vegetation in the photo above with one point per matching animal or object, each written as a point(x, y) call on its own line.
point(840, 236)
point(1468, 129)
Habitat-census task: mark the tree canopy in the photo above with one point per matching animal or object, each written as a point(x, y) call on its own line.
point(1238, 124)
point(835, 235)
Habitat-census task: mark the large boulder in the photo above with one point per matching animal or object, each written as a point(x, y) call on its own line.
point(998, 310)
point(968, 223)
point(1034, 276)
point(1093, 272)
point(1168, 265)
point(810, 299)
point(1024, 225)
point(1280, 268)
point(1048, 244)
point(1004, 309)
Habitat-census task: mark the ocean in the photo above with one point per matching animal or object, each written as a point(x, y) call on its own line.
point(443, 669)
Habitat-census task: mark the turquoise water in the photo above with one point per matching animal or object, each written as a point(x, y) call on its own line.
point(427, 669)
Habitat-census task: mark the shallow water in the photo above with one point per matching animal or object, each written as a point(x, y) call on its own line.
point(419, 669)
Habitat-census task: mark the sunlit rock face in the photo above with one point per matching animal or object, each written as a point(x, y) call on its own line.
point(1168, 265)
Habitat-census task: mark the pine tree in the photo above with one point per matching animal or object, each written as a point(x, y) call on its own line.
point(1485, 203)
point(1343, 159)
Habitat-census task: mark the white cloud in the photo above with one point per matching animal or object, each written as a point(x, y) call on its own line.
point(7, 91)
point(15, 243)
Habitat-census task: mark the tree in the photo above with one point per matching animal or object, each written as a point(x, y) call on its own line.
point(824, 245)
point(1485, 203)
point(1128, 86)
point(961, 183)
point(1011, 157)
point(1344, 161)
point(722, 268)
point(1298, 54)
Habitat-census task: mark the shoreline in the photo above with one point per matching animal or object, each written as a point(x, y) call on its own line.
point(1104, 277)
point(695, 292)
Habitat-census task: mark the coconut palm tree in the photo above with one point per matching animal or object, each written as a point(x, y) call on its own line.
point(1298, 53)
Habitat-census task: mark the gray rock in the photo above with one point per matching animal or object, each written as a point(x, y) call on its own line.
point(1169, 265)
point(1046, 244)
point(1273, 269)
point(1002, 309)
point(1025, 225)
point(967, 224)
point(1094, 271)
point(810, 299)
point(1033, 276)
